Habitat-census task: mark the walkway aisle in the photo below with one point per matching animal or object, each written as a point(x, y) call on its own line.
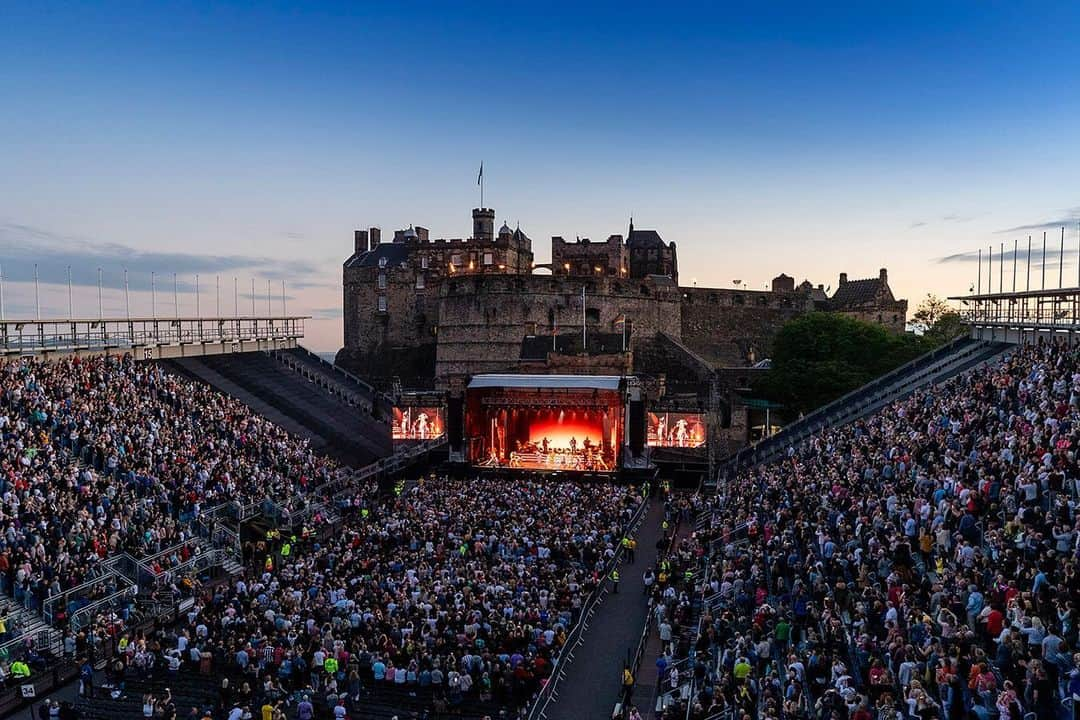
point(594, 675)
point(648, 688)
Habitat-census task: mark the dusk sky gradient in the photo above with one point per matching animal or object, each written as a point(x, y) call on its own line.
point(251, 139)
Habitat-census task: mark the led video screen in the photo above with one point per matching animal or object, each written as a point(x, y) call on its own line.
point(418, 423)
point(672, 429)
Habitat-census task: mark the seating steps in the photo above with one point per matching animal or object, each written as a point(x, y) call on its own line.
point(346, 431)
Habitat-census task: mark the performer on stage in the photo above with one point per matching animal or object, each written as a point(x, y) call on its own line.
point(422, 426)
point(680, 433)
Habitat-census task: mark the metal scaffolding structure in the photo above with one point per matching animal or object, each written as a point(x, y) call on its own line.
point(1022, 316)
point(150, 338)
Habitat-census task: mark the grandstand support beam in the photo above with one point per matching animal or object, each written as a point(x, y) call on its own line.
point(150, 338)
point(1022, 316)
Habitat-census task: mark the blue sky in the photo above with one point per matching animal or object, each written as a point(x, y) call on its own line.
point(250, 139)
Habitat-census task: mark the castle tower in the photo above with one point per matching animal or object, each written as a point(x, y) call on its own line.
point(483, 222)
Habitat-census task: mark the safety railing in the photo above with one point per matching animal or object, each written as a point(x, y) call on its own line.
point(116, 600)
point(812, 422)
point(90, 589)
point(66, 335)
point(548, 693)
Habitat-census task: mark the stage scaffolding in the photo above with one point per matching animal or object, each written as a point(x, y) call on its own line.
point(1022, 316)
point(150, 338)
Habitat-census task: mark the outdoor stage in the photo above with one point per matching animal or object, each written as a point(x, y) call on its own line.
point(553, 423)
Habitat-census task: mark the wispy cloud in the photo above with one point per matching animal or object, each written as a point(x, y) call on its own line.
point(1068, 218)
point(1053, 255)
point(331, 313)
point(950, 218)
point(22, 246)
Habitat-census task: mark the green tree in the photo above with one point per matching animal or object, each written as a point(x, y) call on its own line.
point(820, 356)
point(929, 311)
point(948, 326)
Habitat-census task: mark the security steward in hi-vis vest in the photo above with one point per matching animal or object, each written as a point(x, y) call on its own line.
point(615, 581)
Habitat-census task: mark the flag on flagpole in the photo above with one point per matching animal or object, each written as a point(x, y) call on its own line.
point(481, 175)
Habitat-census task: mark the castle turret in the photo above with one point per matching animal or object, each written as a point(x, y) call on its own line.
point(483, 222)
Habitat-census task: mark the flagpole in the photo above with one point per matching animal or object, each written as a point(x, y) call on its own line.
point(1044, 262)
point(1027, 282)
point(37, 299)
point(153, 294)
point(978, 281)
point(1061, 260)
point(1001, 268)
point(1014, 264)
point(2, 317)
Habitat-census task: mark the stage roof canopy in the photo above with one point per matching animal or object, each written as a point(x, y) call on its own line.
point(552, 382)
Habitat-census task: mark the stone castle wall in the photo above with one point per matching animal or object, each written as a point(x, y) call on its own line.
point(483, 319)
point(729, 327)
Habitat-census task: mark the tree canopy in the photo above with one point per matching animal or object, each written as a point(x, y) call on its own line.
point(818, 357)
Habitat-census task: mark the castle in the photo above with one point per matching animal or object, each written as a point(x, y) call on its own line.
point(426, 313)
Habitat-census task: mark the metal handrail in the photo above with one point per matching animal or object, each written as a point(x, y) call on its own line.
point(91, 610)
point(806, 426)
point(545, 696)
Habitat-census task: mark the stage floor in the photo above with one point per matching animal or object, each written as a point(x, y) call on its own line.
point(552, 461)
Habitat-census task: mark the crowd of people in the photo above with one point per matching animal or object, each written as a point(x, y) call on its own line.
point(458, 589)
point(105, 455)
point(918, 563)
point(455, 592)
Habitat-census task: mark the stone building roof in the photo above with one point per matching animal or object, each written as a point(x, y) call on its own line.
point(395, 254)
point(644, 239)
point(856, 293)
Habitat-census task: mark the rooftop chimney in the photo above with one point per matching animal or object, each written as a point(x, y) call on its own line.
point(374, 238)
point(883, 274)
point(360, 241)
point(843, 278)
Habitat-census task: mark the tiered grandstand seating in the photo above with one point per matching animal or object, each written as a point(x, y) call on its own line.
point(933, 367)
point(338, 422)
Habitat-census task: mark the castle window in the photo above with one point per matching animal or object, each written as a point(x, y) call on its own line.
point(762, 300)
point(382, 303)
point(738, 300)
point(489, 259)
point(382, 281)
point(530, 329)
point(382, 262)
point(592, 315)
point(455, 259)
point(423, 262)
point(419, 281)
point(896, 318)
